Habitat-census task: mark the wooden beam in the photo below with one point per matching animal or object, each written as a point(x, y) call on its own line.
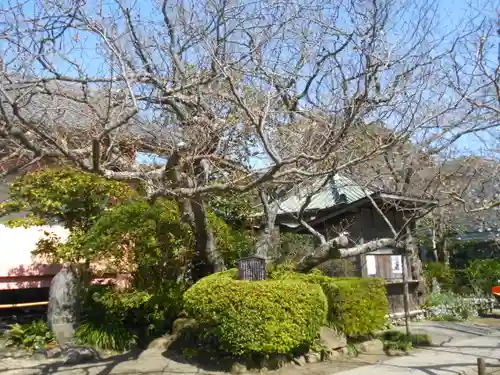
point(20, 305)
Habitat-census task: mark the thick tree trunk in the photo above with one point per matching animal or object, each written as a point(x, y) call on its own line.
point(265, 238)
point(207, 259)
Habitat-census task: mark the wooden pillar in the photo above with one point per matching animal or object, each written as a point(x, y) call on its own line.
point(406, 292)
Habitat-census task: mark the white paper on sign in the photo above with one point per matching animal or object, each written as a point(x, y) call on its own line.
point(371, 265)
point(396, 264)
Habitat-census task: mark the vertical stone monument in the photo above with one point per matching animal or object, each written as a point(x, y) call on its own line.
point(64, 306)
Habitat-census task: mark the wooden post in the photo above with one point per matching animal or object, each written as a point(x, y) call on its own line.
point(481, 366)
point(406, 294)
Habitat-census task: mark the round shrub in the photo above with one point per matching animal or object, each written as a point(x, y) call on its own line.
point(259, 316)
point(357, 306)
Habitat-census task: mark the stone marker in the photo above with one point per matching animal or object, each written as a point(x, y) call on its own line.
point(62, 313)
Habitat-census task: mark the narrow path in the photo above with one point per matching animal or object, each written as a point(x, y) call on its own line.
point(444, 333)
point(454, 357)
point(459, 345)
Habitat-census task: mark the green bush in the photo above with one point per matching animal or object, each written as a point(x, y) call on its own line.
point(482, 275)
point(450, 306)
point(356, 306)
point(118, 321)
point(30, 336)
point(67, 195)
point(443, 274)
point(338, 268)
point(106, 335)
point(260, 316)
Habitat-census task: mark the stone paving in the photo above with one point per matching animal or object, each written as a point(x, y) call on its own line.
point(456, 355)
point(458, 347)
point(154, 362)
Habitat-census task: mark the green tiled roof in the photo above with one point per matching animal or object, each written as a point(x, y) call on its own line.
point(338, 190)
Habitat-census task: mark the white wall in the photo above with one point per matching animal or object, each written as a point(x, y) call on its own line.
point(16, 245)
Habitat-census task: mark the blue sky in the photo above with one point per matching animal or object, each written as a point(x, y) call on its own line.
point(451, 19)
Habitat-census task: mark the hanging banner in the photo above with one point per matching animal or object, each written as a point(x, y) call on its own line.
point(396, 264)
point(371, 265)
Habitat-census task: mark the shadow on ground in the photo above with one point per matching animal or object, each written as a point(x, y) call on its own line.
point(455, 368)
point(97, 367)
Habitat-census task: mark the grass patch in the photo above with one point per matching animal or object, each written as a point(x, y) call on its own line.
point(395, 340)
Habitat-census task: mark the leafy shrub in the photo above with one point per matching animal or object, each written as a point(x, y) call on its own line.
point(399, 341)
point(67, 195)
point(482, 274)
point(356, 306)
point(118, 321)
point(231, 243)
point(442, 272)
point(30, 336)
point(151, 240)
point(259, 316)
point(338, 268)
point(106, 335)
point(450, 307)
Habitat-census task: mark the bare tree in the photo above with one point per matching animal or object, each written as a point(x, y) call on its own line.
point(234, 95)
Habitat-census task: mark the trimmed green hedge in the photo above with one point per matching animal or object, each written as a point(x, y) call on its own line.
point(356, 306)
point(258, 317)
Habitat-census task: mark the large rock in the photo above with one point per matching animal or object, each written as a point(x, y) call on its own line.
point(238, 368)
point(300, 361)
point(55, 352)
point(342, 351)
point(371, 346)
point(77, 355)
point(180, 324)
point(313, 357)
point(332, 339)
point(274, 362)
point(63, 309)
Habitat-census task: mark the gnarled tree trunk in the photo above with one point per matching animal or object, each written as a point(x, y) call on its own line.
point(207, 258)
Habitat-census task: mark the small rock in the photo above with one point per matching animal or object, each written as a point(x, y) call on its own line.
point(335, 354)
point(331, 338)
point(238, 368)
point(53, 352)
point(300, 361)
point(313, 357)
point(76, 355)
point(274, 362)
point(343, 351)
point(396, 353)
point(181, 323)
point(372, 346)
point(162, 342)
